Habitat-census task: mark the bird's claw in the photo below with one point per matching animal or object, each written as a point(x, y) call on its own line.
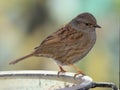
point(61, 71)
point(79, 73)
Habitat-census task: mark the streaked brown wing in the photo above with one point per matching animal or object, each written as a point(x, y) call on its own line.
point(59, 42)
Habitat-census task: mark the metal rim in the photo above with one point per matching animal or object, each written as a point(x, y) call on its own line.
point(81, 81)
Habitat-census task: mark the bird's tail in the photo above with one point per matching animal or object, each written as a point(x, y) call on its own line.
point(22, 58)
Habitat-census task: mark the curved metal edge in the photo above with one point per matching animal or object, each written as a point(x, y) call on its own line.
point(84, 85)
point(39, 73)
point(33, 72)
point(87, 84)
point(53, 75)
point(92, 85)
point(104, 84)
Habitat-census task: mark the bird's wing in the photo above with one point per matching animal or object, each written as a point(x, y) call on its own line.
point(61, 37)
point(59, 42)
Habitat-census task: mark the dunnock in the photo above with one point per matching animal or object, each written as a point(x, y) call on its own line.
point(70, 43)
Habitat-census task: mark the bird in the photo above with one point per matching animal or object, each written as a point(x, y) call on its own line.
point(69, 44)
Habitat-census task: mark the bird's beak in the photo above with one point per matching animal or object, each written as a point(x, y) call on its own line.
point(97, 26)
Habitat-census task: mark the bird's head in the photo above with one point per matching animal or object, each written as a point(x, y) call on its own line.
point(85, 22)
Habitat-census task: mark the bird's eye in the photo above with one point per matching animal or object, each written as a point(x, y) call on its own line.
point(87, 24)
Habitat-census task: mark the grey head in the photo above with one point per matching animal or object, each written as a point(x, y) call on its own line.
point(85, 22)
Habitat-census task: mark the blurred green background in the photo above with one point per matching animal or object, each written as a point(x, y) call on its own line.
point(25, 23)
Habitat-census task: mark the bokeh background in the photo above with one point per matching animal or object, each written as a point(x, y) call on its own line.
point(25, 23)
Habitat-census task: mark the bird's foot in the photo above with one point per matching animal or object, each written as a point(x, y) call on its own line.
point(61, 71)
point(79, 73)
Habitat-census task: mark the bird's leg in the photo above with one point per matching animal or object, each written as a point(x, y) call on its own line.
point(61, 70)
point(77, 69)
